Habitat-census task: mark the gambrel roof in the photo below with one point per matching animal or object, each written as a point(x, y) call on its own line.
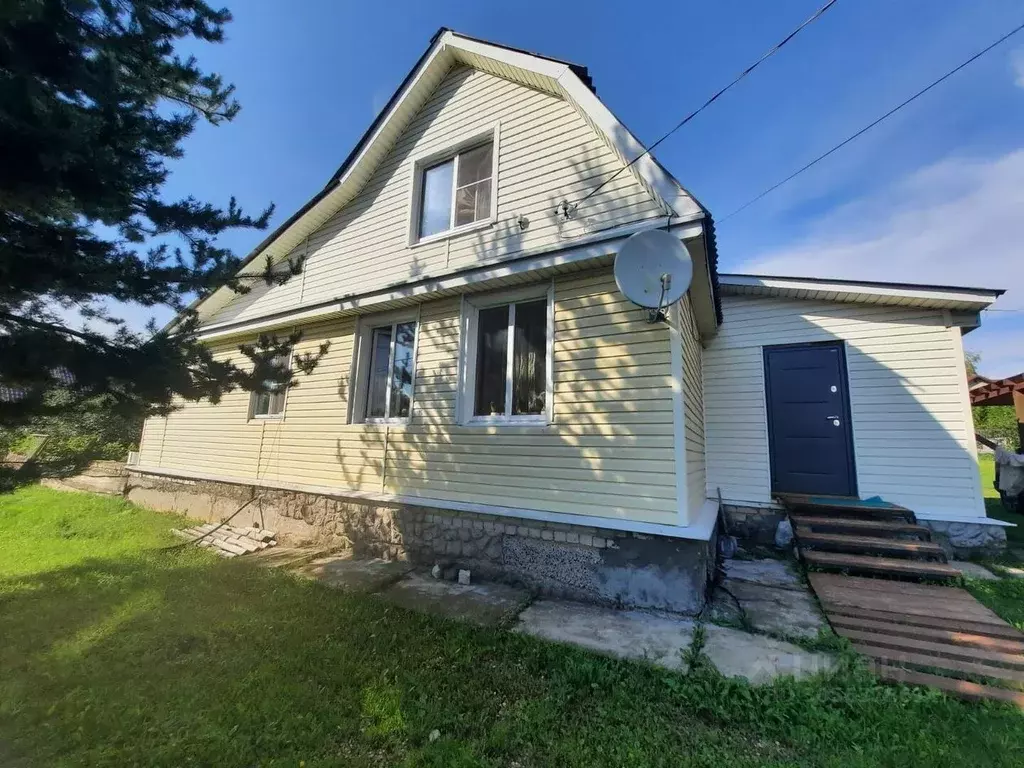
point(567, 81)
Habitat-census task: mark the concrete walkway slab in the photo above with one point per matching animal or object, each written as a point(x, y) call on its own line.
point(767, 572)
point(761, 659)
point(657, 638)
point(772, 596)
point(973, 570)
point(662, 639)
point(785, 612)
point(347, 573)
point(487, 605)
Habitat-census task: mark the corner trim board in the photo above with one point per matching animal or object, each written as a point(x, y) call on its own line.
point(675, 338)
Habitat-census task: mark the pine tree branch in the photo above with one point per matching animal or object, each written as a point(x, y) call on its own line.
point(54, 328)
point(213, 115)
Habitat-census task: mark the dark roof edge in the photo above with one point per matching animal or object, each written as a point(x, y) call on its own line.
point(872, 283)
point(711, 242)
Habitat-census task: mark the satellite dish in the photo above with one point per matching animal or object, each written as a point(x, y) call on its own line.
point(653, 269)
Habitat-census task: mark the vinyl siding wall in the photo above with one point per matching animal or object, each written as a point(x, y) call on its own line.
point(693, 399)
point(912, 428)
point(546, 153)
point(609, 452)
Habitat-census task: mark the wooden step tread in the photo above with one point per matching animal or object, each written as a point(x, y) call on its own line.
point(871, 527)
point(932, 621)
point(961, 688)
point(967, 639)
point(818, 505)
point(879, 565)
point(867, 544)
point(897, 658)
point(895, 642)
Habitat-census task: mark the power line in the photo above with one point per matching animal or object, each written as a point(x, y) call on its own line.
point(871, 125)
point(768, 54)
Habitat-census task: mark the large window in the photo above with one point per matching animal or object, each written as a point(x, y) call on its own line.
point(269, 403)
point(508, 361)
point(386, 371)
point(456, 192)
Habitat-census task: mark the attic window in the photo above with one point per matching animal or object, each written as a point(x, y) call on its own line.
point(456, 192)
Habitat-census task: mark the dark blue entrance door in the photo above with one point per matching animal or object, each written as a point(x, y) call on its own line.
point(809, 433)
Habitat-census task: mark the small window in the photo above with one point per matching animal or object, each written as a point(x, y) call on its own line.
point(509, 370)
point(390, 372)
point(457, 192)
point(269, 404)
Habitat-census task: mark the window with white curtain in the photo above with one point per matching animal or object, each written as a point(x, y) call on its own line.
point(507, 369)
point(456, 191)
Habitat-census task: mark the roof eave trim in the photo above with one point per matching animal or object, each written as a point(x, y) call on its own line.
point(953, 294)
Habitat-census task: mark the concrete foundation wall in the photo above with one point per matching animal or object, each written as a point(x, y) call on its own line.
point(964, 540)
point(753, 524)
point(568, 561)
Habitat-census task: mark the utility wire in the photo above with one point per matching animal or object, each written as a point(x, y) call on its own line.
point(871, 125)
point(768, 54)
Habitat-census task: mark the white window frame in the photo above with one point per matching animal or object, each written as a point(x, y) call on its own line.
point(253, 416)
point(360, 377)
point(425, 162)
point(466, 398)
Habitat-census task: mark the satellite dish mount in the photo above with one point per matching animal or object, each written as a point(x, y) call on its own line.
point(656, 314)
point(653, 270)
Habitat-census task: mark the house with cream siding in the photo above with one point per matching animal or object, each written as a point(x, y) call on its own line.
point(490, 398)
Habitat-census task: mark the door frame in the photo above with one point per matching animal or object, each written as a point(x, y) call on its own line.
point(844, 383)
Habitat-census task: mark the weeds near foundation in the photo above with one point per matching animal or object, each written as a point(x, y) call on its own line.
point(693, 656)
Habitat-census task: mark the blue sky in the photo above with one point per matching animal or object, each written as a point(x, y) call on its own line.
point(936, 194)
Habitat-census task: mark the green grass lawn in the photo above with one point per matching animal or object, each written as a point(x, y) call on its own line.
point(115, 651)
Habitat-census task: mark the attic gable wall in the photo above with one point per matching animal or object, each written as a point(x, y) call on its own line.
point(546, 153)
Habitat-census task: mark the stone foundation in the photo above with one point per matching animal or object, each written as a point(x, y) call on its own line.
point(963, 540)
point(754, 525)
point(566, 561)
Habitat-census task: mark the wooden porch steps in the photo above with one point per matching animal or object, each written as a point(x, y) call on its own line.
point(879, 566)
point(868, 545)
point(842, 507)
point(846, 535)
point(924, 634)
point(844, 524)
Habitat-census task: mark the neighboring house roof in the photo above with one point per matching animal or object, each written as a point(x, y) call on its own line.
point(861, 291)
point(447, 49)
point(995, 391)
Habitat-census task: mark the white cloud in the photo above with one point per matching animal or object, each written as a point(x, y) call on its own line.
point(1017, 64)
point(957, 222)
